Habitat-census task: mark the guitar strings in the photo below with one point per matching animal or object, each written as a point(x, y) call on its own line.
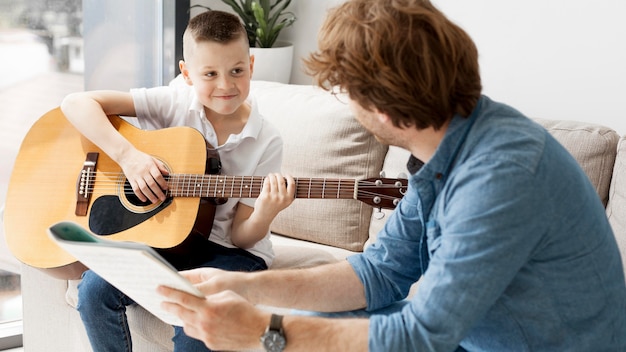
point(194, 183)
point(249, 180)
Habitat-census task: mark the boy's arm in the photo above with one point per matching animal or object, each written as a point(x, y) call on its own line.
point(250, 225)
point(88, 111)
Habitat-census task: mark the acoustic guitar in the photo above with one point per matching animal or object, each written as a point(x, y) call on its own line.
point(61, 176)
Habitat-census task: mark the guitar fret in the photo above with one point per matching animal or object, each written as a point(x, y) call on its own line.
point(323, 187)
point(209, 184)
point(338, 187)
point(218, 182)
point(173, 189)
point(207, 178)
point(196, 186)
point(189, 181)
point(216, 191)
point(179, 185)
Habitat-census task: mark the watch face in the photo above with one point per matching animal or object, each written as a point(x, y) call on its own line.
point(273, 341)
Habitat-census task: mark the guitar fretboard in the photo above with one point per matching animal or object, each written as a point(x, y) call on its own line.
point(218, 186)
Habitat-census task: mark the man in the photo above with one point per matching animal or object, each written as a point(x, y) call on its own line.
point(507, 236)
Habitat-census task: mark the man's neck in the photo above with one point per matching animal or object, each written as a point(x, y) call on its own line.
point(424, 143)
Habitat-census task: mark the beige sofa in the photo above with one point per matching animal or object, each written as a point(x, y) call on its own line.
point(321, 140)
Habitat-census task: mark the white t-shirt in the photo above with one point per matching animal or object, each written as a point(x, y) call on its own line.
point(256, 151)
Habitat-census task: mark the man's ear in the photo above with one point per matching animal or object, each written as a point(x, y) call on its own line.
point(185, 72)
point(382, 117)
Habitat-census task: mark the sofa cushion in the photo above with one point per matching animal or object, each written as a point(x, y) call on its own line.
point(616, 208)
point(593, 146)
point(321, 139)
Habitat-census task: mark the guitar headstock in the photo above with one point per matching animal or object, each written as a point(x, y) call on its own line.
point(381, 192)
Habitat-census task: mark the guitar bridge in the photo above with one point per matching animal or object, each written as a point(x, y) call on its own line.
point(84, 185)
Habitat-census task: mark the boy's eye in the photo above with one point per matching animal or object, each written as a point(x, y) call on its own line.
point(211, 74)
point(237, 71)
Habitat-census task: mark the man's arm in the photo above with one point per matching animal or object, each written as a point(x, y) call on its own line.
point(227, 318)
point(325, 334)
point(326, 288)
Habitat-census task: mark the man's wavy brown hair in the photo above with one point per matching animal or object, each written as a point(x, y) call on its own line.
point(403, 58)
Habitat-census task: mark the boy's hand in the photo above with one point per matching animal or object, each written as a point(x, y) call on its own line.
point(145, 175)
point(278, 193)
point(250, 225)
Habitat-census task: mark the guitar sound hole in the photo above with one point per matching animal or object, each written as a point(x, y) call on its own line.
point(132, 198)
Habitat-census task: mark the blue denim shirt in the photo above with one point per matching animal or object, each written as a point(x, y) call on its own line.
point(510, 242)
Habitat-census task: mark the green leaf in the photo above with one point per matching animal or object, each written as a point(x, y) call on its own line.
point(263, 19)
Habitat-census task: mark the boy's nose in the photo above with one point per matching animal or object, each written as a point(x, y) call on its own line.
point(224, 81)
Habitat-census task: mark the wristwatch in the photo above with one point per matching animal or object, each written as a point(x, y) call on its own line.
point(273, 339)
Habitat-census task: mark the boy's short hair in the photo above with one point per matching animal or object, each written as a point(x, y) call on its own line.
point(214, 26)
point(401, 57)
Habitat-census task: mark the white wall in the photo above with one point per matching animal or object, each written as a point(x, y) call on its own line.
point(560, 59)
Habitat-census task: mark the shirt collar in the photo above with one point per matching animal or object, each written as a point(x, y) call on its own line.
point(251, 129)
point(442, 161)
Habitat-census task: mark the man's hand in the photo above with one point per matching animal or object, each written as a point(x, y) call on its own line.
point(223, 321)
point(211, 280)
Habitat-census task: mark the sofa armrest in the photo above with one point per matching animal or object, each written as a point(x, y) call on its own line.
point(49, 323)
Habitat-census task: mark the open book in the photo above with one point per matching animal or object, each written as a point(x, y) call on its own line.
point(133, 268)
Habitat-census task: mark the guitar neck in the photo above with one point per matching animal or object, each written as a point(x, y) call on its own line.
point(219, 186)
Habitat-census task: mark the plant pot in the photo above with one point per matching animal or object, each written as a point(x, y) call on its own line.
point(273, 64)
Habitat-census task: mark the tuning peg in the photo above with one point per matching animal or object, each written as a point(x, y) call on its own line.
point(382, 174)
point(403, 176)
point(378, 214)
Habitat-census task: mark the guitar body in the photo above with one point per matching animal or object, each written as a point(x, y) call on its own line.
point(43, 191)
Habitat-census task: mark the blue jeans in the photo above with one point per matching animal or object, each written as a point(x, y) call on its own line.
point(102, 307)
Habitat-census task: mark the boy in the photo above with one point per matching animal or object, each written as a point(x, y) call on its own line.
point(217, 69)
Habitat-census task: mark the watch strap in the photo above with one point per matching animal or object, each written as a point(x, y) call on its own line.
point(276, 322)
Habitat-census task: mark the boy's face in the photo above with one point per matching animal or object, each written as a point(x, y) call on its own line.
point(220, 74)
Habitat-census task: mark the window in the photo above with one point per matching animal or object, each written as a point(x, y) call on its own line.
point(40, 62)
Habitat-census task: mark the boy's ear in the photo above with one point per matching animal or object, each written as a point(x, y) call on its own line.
point(251, 65)
point(185, 72)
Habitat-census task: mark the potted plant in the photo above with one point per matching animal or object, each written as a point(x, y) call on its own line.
point(264, 20)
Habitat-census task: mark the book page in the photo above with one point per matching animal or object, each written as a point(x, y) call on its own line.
point(133, 268)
